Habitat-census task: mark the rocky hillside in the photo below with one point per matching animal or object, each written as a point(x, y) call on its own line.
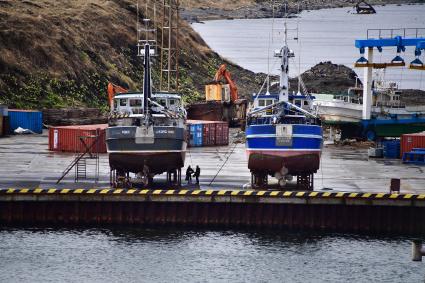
point(63, 53)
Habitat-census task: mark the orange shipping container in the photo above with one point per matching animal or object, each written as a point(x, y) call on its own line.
point(411, 141)
point(67, 138)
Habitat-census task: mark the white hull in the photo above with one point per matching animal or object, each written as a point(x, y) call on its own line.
point(341, 111)
point(338, 111)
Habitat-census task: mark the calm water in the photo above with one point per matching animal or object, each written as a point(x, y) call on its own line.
point(324, 35)
point(161, 255)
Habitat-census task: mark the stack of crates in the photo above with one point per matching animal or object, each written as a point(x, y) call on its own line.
point(391, 148)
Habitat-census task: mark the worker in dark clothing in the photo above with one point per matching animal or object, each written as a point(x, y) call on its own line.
point(189, 172)
point(197, 174)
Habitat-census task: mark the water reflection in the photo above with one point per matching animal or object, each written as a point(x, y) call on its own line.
point(124, 254)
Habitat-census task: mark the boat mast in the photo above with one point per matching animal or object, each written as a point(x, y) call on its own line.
point(146, 47)
point(284, 69)
point(147, 87)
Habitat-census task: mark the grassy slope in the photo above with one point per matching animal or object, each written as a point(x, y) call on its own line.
point(63, 54)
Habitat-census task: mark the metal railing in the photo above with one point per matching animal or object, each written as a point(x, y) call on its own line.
point(391, 33)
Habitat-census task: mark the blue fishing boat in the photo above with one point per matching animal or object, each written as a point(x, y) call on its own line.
point(283, 139)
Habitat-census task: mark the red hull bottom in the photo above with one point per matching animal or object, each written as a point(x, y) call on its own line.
point(297, 162)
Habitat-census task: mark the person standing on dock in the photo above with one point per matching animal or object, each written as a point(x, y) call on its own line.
point(197, 174)
point(189, 172)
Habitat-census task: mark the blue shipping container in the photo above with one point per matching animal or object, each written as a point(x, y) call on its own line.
point(26, 119)
point(195, 131)
point(391, 148)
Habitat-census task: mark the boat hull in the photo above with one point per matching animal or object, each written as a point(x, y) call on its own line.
point(166, 151)
point(298, 154)
point(297, 162)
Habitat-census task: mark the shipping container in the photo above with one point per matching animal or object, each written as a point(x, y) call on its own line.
point(208, 133)
point(195, 134)
point(391, 148)
point(67, 138)
point(221, 133)
point(26, 119)
point(213, 133)
point(411, 141)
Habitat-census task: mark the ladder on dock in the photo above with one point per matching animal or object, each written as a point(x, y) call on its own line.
point(86, 155)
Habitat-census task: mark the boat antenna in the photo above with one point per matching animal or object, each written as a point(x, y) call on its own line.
point(268, 51)
point(299, 50)
point(268, 67)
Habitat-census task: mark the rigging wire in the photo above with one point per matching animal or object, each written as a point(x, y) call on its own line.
point(421, 76)
point(224, 163)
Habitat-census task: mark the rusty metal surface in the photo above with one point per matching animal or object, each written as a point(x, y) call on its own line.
point(344, 218)
point(345, 212)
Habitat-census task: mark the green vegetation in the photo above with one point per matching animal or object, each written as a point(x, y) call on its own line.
point(41, 91)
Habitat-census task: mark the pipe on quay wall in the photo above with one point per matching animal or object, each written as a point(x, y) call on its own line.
point(418, 251)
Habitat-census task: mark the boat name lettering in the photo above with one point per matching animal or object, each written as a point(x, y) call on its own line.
point(125, 132)
point(164, 131)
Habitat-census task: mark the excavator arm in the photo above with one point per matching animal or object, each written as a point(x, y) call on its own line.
point(222, 72)
point(112, 91)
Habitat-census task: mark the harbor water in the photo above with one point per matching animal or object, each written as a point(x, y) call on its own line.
point(324, 35)
point(171, 255)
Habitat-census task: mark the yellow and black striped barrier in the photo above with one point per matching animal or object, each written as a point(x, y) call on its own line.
point(119, 116)
point(242, 193)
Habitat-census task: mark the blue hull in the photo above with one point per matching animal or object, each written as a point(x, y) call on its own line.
point(299, 152)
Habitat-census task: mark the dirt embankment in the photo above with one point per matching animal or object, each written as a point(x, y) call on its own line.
point(327, 77)
point(202, 10)
point(63, 53)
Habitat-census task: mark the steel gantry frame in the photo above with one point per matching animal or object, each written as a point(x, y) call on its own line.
point(400, 42)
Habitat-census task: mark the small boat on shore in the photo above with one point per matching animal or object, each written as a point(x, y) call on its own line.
point(390, 117)
point(283, 139)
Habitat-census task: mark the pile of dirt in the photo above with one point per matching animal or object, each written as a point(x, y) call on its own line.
point(63, 53)
point(412, 97)
point(327, 77)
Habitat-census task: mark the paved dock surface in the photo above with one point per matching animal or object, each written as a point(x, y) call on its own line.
point(26, 162)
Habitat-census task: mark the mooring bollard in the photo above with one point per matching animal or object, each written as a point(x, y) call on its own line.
point(417, 250)
point(395, 186)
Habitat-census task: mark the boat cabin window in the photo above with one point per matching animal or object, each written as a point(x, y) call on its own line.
point(123, 102)
point(136, 106)
point(305, 102)
point(163, 102)
point(297, 102)
point(172, 102)
point(135, 103)
point(265, 102)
